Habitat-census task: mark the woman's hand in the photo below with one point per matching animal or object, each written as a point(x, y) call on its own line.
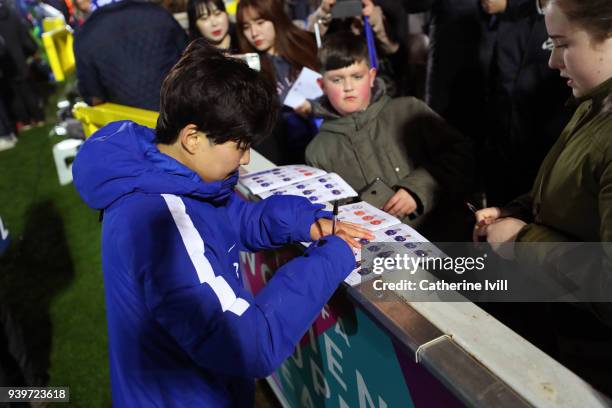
point(368, 8)
point(326, 6)
point(504, 230)
point(345, 230)
point(488, 215)
point(377, 22)
point(484, 217)
point(502, 233)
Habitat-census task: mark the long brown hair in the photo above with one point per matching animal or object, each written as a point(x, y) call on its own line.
point(297, 46)
point(594, 16)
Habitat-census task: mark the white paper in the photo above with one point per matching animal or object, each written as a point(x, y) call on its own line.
point(398, 233)
point(328, 187)
point(366, 216)
point(278, 177)
point(353, 279)
point(304, 87)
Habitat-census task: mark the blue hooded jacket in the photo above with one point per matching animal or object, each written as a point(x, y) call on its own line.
point(183, 332)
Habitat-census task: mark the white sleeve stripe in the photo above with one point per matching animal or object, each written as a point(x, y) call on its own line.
point(224, 292)
point(239, 306)
point(195, 249)
point(191, 238)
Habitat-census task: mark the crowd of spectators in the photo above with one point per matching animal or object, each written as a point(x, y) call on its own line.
point(20, 105)
point(486, 74)
point(481, 58)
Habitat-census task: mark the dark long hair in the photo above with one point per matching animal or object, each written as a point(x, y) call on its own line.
point(195, 10)
point(297, 46)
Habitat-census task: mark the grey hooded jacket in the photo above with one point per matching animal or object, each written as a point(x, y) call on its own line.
point(401, 141)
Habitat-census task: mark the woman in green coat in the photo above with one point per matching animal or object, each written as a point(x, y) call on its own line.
point(566, 204)
point(571, 199)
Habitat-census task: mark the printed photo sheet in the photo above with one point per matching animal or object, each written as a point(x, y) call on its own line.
point(366, 216)
point(411, 243)
point(328, 187)
point(278, 177)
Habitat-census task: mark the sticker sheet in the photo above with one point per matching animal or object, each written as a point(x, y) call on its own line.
point(412, 242)
point(328, 187)
point(366, 216)
point(278, 177)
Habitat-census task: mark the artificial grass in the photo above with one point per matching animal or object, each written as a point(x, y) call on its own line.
point(51, 285)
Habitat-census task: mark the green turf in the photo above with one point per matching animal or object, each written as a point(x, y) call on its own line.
point(51, 278)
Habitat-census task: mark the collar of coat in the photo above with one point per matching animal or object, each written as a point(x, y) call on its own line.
point(600, 95)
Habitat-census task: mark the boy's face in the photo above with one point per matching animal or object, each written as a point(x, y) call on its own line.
point(349, 89)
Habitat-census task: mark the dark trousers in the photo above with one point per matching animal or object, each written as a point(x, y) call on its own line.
point(26, 104)
point(6, 126)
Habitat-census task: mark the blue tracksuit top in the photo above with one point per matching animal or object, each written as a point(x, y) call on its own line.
point(183, 331)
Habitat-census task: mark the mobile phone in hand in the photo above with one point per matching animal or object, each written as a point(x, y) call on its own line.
point(251, 58)
point(346, 8)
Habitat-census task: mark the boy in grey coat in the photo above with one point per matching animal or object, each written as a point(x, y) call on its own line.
point(367, 135)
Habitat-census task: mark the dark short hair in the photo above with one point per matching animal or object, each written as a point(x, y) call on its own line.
point(342, 49)
point(221, 95)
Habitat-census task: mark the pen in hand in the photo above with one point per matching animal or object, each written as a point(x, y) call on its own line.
point(471, 207)
point(335, 214)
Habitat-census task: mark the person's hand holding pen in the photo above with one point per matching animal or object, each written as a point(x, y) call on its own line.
point(345, 230)
point(498, 229)
point(483, 217)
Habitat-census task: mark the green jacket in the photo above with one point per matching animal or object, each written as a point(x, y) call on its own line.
point(400, 140)
point(571, 201)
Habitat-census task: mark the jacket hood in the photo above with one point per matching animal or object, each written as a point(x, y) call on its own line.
point(121, 158)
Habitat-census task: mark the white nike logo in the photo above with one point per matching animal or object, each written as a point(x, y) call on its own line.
point(232, 247)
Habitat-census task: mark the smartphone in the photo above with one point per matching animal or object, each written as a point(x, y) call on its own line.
point(377, 193)
point(346, 8)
